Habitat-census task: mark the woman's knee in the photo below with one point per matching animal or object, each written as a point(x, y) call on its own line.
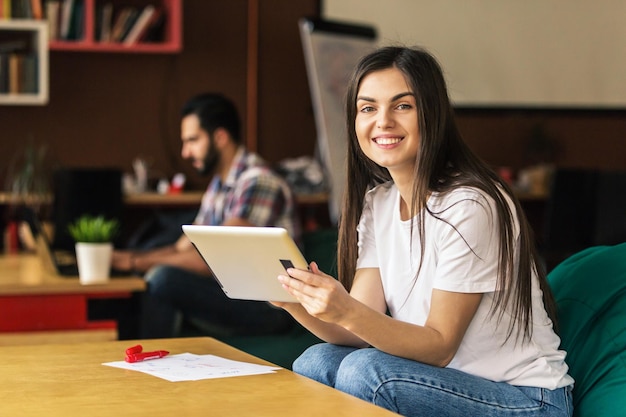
point(365, 374)
point(320, 362)
point(311, 361)
point(357, 366)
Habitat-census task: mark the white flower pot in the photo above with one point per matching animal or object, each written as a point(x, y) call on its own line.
point(94, 262)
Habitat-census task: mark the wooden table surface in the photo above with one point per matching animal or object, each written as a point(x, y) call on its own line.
point(70, 380)
point(24, 274)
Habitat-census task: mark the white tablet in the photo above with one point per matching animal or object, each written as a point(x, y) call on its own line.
point(246, 261)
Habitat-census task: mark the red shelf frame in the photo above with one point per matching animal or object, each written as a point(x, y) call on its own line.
point(173, 34)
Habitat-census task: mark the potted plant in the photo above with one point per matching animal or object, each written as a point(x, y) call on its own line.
point(94, 247)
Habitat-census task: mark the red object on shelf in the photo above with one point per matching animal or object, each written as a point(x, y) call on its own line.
point(11, 238)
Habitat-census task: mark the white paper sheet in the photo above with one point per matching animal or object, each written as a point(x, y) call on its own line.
point(191, 367)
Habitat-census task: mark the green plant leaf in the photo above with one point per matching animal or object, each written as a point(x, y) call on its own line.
point(93, 229)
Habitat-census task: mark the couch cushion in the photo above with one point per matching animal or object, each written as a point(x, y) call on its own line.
point(590, 291)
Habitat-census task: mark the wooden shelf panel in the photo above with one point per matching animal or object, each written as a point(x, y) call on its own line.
point(108, 47)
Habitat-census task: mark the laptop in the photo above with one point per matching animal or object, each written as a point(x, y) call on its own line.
point(246, 261)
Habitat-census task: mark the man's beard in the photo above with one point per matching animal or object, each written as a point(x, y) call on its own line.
point(210, 162)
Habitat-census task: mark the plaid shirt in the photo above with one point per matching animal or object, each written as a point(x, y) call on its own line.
point(253, 192)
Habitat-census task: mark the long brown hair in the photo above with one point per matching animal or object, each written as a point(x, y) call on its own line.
point(444, 163)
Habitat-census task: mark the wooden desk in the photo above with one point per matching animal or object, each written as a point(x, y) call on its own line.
point(70, 380)
point(185, 198)
point(40, 306)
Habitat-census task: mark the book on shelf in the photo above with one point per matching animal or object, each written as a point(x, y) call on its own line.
point(65, 18)
point(71, 19)
point(9, 9)
point(77, 21)
point(18, 67)
point(19, 73)
point(36, 8)
point(53, 10)
point(20, 9)
point(30, 71)
point(130, 22)
point(123, 21)
point(156, 30)
point(4, 73)
point(16, 75)
point(27, 9)
point(148, 15)
point(104, 18)
point(5, 9)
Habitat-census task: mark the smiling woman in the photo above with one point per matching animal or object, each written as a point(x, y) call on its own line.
point(441, 303)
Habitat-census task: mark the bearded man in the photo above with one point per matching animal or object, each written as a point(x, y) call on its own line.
point(243, 191)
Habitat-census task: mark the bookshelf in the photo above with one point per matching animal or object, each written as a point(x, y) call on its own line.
point(89, 42)
point(23, 62)
point(25, 43)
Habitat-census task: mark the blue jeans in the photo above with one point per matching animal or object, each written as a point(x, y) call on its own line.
point(174, 293)
point(412, 388)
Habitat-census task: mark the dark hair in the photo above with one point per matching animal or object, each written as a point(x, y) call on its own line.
point(214, 111)
point(444, 162)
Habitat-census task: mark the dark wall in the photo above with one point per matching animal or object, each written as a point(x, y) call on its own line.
point(580, 138)
point(106, 109)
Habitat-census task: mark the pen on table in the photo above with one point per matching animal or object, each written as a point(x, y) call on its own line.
point(140, 357)
point(134, 349)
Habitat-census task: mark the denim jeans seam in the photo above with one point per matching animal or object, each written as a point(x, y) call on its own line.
point(568, 399)
point(426, 384)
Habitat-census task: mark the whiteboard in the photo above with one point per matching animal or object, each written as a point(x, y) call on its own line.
point(331, 51)
point(529, 53)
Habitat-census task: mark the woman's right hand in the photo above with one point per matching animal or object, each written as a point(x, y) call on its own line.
point(321, 295)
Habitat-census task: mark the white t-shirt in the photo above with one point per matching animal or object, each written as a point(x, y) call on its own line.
point(461, 255)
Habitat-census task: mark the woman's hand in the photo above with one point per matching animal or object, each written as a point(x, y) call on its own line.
point(321, 295)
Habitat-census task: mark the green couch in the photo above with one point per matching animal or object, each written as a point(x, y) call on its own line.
point(590, 291)
point(282, 349)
